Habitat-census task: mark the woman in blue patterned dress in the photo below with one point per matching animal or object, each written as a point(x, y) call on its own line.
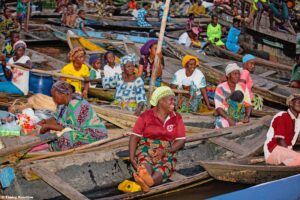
point(198, 85)
point(130, 93)
point(142, 14)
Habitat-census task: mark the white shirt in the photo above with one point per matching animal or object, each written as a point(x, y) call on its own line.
point(20, 77)
point(110, 72)
point(197, 79)
point(184, 39)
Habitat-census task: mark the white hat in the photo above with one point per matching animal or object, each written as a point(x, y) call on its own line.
point(186, 82)
point(232, 67)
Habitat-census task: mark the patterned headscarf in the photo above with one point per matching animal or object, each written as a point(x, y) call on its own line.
point(76, 52)
point(187, 59)
point(63, 87)
point(159, 93)
point(126, 59)
point(145, 48)
point(19, 44)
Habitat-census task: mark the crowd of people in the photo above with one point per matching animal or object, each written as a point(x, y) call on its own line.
point(159, 132)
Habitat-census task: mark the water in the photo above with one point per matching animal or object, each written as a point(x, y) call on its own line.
point(210, 189)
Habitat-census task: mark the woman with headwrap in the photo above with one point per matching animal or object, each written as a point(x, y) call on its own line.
point(77, 68)
point(75, 117)
point(148, 52)
point(223, 92)
point(157, 135)
point(198, 85)
point(19, 83)
point(130, 94)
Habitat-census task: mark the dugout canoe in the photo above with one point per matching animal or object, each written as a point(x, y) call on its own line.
point(121, 25)
point(264, 29)
point(214, 68)
point(247, 171)
point(274, 71)
point(96, 174)
point(38, 35)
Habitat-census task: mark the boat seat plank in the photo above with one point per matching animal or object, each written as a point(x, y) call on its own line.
point(177, 177)
point(58, 184)
point(268, 73)
point(230, 145)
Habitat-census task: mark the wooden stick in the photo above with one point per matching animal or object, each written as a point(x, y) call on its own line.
point(58, 184)
point(158, 50)
point(27, 16)
point(51, 73)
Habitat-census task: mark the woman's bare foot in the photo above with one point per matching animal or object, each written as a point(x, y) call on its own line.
point(144, 174)
point(141, 182)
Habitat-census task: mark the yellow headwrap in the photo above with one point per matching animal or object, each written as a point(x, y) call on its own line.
point(160, 93)
point(77, 51)
point(187, 58)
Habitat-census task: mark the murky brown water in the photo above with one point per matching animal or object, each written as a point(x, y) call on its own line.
point(210, 189)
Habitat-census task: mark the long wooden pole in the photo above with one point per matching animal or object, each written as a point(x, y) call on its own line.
point(27, 16)
point(158, 50)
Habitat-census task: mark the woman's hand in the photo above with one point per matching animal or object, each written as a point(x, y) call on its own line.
point(133, 162)
point(85, 94)
point(158, 155)
point(246, 120)
point(209, 107)
point(137, 112)
point(44, 128)
point(42, 122)
point(231, 122)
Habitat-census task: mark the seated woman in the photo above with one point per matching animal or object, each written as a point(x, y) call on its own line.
point(77, 68)
point(283, 134)
point(75, 117)
point(148, 52)
point(232, 42)
point(190, 38)
point(248, 69)
point(190, 71)
point(222, 93)
point(130, 93)
point(157, 135)
point(19, 83)
point(143, 14)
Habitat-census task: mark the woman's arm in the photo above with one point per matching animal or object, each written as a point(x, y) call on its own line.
point(140, 70)
point(248, 111)
point(178, 144)
point(205, 97)
point(223, 114)
point(133, 142)
point(27, 65)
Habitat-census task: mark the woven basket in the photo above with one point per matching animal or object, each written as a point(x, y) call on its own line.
point(18, 105)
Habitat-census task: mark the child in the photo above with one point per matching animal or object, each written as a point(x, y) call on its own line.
point(232, 42)
point(236, 109)
point(111, 68)
point(185, 100)
point(21, 11)
point(95, 73)
point(7, 23)
point(69, 16)
point(214, 32)
point(79, 22)
point(9, 43)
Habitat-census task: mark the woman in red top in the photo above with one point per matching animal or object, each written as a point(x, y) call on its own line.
point(157, 135)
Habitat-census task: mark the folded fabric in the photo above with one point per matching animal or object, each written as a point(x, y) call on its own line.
point(7, 176)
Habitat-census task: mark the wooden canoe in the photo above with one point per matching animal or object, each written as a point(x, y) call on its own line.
point(247, 171)
point(38, 35)
point(120, 25)
point(226, 20)
point(96, 174)
point(213, 69)
point(271, 70)
point(286, 188)
point(103, 94)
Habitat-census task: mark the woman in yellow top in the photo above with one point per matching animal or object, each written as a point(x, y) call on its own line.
point(197, 9)
point(77, 68)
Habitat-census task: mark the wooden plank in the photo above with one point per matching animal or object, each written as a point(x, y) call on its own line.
point(177, 177)
point(58, 184)
point(230, 145)
point(268, 73)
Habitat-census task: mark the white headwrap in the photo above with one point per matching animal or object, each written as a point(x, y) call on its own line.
point(232, 67)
